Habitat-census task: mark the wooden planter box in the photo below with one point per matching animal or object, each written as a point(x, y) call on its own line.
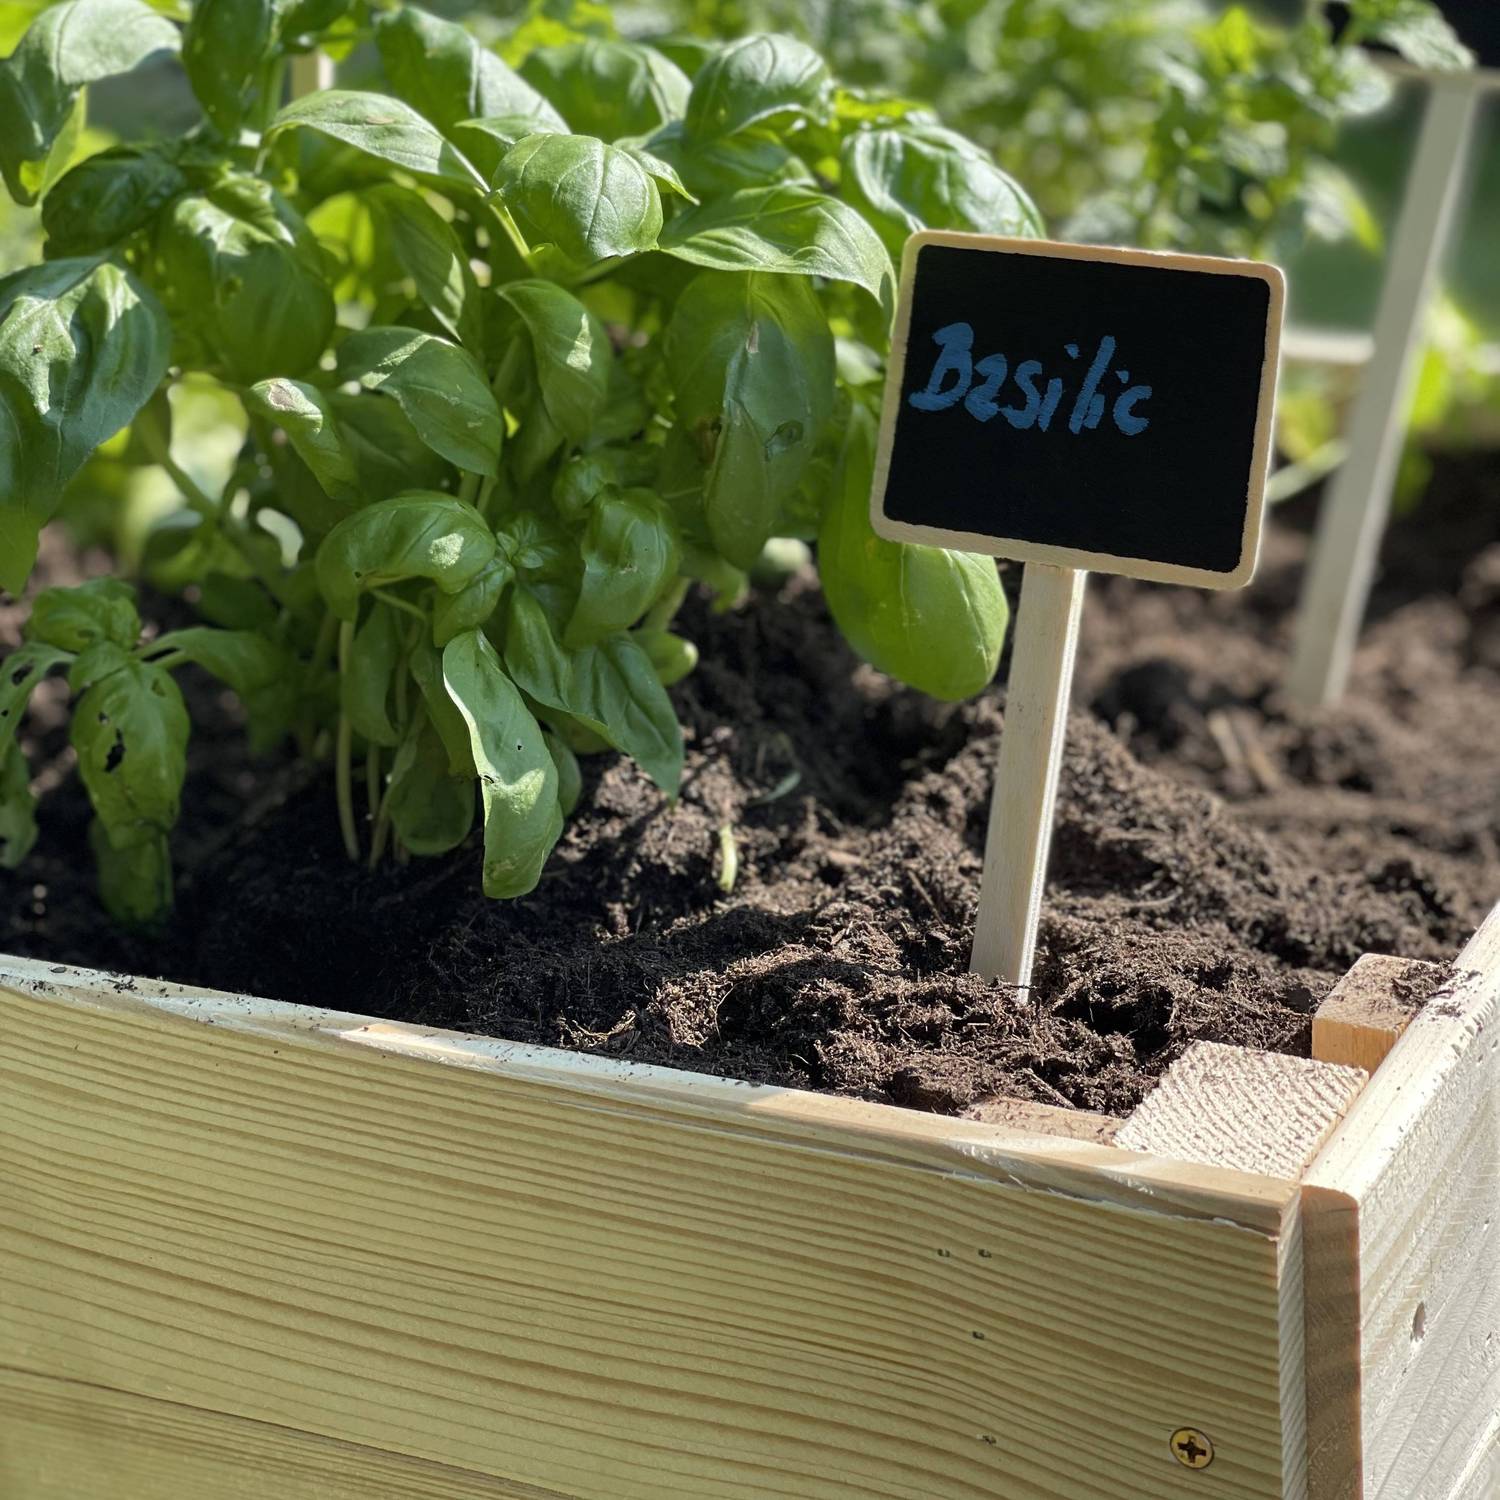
point(257, 1250)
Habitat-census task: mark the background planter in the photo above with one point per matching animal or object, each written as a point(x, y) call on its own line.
point(258, 1249)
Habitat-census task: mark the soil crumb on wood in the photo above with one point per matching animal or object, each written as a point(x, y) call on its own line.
point(1220, 859)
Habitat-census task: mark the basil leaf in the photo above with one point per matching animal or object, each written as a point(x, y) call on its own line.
point(517, 779)
point(388, 455)
point(365, 684)
point(755, 79)
point(431, 810)
point(609, 689)
point(417, 535)
point(130, 729)
point(382, 128)
point(590, 200)
point(713, 168)
point(609, 88)
point(427, 673)
point(662, 172)
point(932, 618)
point(751, 360)
point(427, 250)
point(473, 604)
point(20, 671)
point(571, 351)
point(239, 269)
point(65, 48)
point(260, 673)
point(82, 347)
point(17, 807)
point(444, 72)
point(672, 657)
point(786, 228)
point(106, 198)
point(72, 619)
point(134, 866)
point(441, 388)
point(922, 176)
point(225, 49)
point(485, 141)
point(304, 413)
point(569, 776)
point(629, 556)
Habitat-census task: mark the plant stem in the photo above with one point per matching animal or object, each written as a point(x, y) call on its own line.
point(155, 442)
point(396, 602)
point(511, 228)
point(343, 766)
point(468, 487)
point(661, 614)
point(373, 790)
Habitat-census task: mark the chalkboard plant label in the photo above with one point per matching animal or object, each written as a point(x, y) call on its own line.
point(1081, 406)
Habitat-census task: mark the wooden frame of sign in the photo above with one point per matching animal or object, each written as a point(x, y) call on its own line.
point(1090, 485)
point(255, 1249)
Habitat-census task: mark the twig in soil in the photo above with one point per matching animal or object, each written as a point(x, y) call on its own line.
point(729, 858)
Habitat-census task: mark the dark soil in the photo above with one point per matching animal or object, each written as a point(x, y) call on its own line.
point(1219, 860)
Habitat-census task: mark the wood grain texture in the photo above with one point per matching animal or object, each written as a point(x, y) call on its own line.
point(1024, 799)
point(1368, 1009)
point(1416, 1167)
point(1030, 1118)
point(61, 1440)
point(616, 1283)
point(1236, 1107)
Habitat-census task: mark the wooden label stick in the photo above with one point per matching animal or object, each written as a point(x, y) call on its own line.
point(1036, 725)
point(1074, 408)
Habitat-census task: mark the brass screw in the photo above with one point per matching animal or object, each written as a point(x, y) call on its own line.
point(1191, 1448)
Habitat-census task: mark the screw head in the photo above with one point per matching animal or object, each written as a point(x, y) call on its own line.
point(1191, 1448)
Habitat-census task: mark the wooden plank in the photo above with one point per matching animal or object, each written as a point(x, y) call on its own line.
point(1030, 1118)
point(1368, 1009)
point(62, 1440)
point(1236, 1107)
point(1025, 794)
point(618, 1283)
point(1413, 1176)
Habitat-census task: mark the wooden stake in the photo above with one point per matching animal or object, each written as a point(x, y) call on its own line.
point(1036, 724)
point(1337, 589)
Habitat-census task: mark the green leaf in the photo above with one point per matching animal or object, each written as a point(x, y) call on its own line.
point(388, 455)
point(785, 228)
point(427, 673)
point(82, 347)
point(20, 671)
point(17, 808)
point(441, 388)
point(629, 557)
point(239, 269)
point(1416, 29)
point(569, 776)
point(260, 672)
point(369, 675)
point(107, 198)
point(921, 176)
point(427, 250)
point(714, 168)
point(591, 200)
point(751, 360)
point(609, 88)
point(431, 810)
point(486, 141)
point(384, 129)
point(443, 71)
point(932, 618)
point(517, 779)
point(225, 49)
point(473, 604)
point(756, 79)
point(610, 688)
point(134, 866)
point(304, 413)
point(416, 535)
point(67, 46)
point(72, 619)
point(130, 730)
point(672, 656)
point(662, 172)
point(571, 350)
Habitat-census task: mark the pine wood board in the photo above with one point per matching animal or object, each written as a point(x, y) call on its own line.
point(610, 1283)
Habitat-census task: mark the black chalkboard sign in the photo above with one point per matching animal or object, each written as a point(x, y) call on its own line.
point(1081, 406)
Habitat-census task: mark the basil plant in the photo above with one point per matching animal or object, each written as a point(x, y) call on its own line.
point(524, 350)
